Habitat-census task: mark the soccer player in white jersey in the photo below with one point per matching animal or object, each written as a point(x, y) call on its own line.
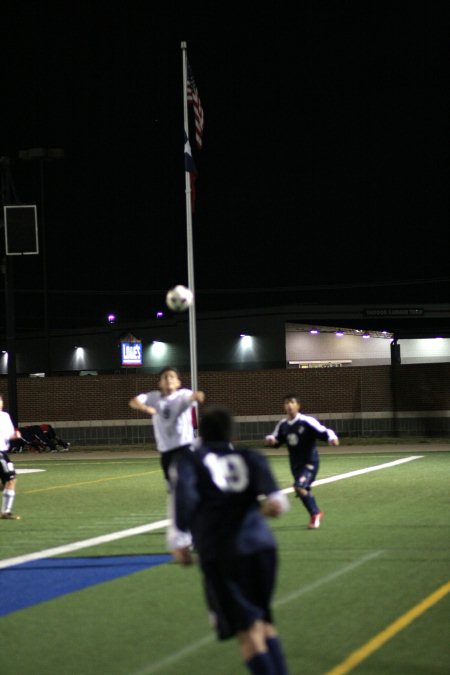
point(171, 409)
point(7, 471)
point(299, 432)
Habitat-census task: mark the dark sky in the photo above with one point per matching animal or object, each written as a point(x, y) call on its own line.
point(325, 159)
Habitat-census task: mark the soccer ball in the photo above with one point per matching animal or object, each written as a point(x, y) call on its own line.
point(179, 298)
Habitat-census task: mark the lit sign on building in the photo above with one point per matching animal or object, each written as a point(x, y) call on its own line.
point(131, 351)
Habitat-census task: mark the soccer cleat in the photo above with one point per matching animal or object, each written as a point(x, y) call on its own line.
point(9, 516)
point(314, 523)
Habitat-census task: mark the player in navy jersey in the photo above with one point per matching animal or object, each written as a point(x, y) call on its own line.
point(223, 494)
point(171, 408)
point(300, 432)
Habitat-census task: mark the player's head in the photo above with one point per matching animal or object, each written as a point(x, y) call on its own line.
point(169, 380)
point(1, 401)
point(291, 404)
point(216, 424)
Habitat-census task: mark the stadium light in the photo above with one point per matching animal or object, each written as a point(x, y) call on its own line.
point(246, 341)
point(158, 349)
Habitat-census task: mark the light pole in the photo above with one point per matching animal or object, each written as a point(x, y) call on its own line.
point(42, 156)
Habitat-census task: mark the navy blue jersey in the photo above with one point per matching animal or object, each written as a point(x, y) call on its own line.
point(300, 436)
point(215, 496)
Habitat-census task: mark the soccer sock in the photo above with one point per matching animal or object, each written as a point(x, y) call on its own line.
point(277, 655)
point(310, 504)
point(8, 500)
point(261, 664)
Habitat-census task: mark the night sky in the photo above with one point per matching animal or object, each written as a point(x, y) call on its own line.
point(324, 171)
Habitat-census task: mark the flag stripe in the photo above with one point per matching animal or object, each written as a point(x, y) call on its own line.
point(194, 99)
point(189, 166)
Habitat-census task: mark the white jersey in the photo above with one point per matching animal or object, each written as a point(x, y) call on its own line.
point(6, 430)
point(173, 419)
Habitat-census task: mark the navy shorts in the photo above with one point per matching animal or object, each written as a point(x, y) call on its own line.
point(239, 592)
point(304, 476)
point(170, 457)
point(7, 470)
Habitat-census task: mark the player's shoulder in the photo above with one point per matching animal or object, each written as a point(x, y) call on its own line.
point(149, 397)
point(306, 418)
point(311, 421)
point(182, 392)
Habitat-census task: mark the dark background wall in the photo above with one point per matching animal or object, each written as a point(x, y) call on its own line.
point(218, 346)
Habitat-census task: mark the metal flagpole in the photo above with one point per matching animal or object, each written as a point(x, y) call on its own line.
point(190, 243)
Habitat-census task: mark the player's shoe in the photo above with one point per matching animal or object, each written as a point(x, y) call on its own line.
point(314, 522)
point(9, 516)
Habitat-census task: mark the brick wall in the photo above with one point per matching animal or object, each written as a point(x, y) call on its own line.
point(424, 387)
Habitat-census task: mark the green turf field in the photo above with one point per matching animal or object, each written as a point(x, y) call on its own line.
point(361, 585)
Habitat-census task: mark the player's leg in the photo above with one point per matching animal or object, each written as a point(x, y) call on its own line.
point(233, 614)
point(302, 486)
point(267, 570)
point(257, 584)
point(8, 481)
point(8, 497)
point(275, 648)
point(254, 650)
point(175, 538)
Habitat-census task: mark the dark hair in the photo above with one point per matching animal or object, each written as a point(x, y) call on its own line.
point(216, 424)
point(166, 370)
point(290, 397)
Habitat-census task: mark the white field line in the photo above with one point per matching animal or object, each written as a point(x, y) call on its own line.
point(30, 470)
point(86, 543)
point(142, 529)
point(360, 472)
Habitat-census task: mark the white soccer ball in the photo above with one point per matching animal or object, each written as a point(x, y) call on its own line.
point(179, 298)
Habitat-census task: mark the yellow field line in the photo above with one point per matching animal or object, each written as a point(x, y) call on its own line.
point(379, 640)
point(88, 482)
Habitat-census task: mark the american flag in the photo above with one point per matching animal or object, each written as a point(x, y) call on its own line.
point(194, 99)
point(189, 166)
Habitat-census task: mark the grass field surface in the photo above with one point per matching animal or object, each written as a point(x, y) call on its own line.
point(367, 593)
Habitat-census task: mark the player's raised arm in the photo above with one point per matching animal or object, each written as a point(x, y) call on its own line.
point(138, 403)
point(198, 396)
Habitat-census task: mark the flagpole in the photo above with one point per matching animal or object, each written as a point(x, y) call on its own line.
point(190, 242)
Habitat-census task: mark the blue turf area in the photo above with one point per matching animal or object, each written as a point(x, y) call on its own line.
point(42, 580)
